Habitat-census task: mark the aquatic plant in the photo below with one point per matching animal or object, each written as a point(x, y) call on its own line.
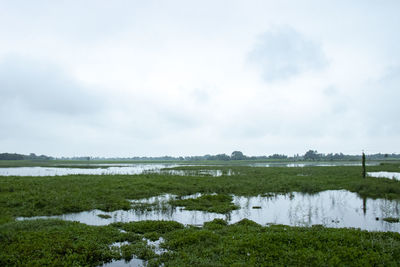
point(211, 203)
point(104, 216)
point(391, 220)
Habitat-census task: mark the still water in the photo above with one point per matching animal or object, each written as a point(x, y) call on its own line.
point(332, 208)
point(101, 170)
point(390, 175)
point(134, 168)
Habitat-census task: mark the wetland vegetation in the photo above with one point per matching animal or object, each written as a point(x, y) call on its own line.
point(55, 242)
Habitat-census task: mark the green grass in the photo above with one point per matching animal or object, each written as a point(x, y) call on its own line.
point(61, 243)
point(55, 243)
point(391, 220)
point(104, 216)
point(210, 203)
point(249, 244)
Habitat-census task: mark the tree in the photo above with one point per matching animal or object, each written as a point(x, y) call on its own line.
point(312, 155)
point(237, 155)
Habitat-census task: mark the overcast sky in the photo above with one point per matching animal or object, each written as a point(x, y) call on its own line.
point(151, 78)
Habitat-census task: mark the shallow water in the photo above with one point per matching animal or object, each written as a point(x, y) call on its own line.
point(53, 171)
point(137, 168)
point(390, 175)
point(308, 164)
point(135, 261)
point(111, 170)
point(332, 208)
point(122, 263)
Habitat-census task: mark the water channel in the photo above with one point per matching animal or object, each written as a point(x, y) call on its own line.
point(332, 208)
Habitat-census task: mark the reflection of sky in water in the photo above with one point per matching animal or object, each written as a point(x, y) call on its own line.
point(135, 168)
point(333, 208)
point(390, 175)
point(52, 171)
point(132, 169)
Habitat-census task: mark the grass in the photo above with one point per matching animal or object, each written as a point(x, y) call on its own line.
point(61, 243)
point(55, 243)
point(391, 220)
point(104, 216)
point(249, 244)
point(210, 203)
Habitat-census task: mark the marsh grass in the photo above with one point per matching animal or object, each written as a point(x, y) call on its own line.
point(209, 203)
point(249, 244)
point(61, 243)
point(55, 243)
point(104, 216)
point(391, 220)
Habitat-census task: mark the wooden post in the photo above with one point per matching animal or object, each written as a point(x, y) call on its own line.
point(363, 165)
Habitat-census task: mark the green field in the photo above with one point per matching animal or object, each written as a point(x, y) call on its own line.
point(54, 242)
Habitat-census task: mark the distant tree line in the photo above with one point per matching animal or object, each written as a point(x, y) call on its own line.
point(310, 155)
point(31, 156)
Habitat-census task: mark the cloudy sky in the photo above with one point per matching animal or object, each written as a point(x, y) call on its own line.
point(150, 78)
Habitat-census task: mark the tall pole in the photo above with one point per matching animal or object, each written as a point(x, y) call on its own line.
point(363, 165)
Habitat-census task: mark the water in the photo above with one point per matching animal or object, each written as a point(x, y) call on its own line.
point(135, 168)
point(135, 261)
point(390, 175)
point(53, 171)
point(309, 164)
point(110, 170)
point(332, 208)
point(123, 263)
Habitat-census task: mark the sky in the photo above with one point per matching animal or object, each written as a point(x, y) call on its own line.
point(150, 78)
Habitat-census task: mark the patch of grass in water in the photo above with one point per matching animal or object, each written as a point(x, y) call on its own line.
point(104, 216)
point(391, 220)
point(210, 203)
point(142, 227)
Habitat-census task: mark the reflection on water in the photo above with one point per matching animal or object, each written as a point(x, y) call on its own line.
point(137, 168)
point(132, 169)
point(53, 171)
point(390, 175)
point(123, 263)
point(309, 164)
point(333, 208)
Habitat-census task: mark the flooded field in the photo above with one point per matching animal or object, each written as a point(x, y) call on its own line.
point(133, 169)
point(250, 206)
point(332, 208)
